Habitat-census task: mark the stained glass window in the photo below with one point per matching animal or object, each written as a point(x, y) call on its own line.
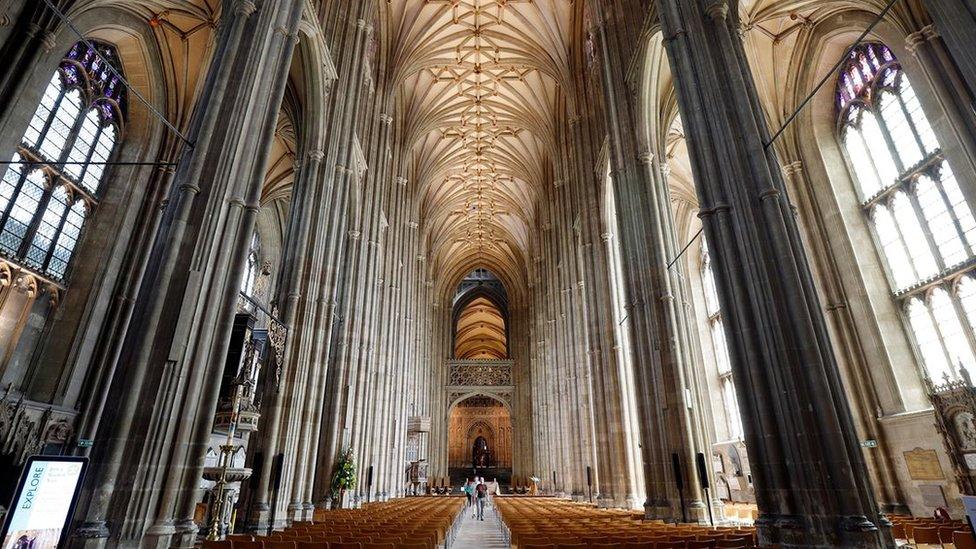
point(54, 180)
point(720, 348)
point(923, 224)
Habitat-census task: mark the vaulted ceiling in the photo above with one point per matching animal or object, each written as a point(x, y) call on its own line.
point(480, 332)
point(479, 92)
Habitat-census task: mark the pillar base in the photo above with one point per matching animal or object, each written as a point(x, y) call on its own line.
point(186, 535)
point(820, 531)
point(260, 518)
point(159, 535)
point(91, 535)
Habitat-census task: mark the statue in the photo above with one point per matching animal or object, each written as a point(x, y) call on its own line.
point(480, 454)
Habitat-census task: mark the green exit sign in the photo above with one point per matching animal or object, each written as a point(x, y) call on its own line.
point(85, 443)
point(869, 444)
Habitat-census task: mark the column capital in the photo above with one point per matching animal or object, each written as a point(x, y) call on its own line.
point(315, 155)
point(245, 7)
point(914, 41)
point(792, 168)
point(717, 10)
point(48, 41)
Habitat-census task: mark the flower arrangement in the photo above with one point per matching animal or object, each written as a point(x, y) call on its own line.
point(344, 477)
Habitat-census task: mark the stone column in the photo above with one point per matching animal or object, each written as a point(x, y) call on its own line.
point(176, 388)
point(951, 93)
point(956, 21)
point(811, 482)
point(659, 361)
point(865, 400)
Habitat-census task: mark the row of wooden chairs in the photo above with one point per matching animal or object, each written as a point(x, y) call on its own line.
point(439, 486)
point(932, 533)
point(549, 523)
point(414, 523)
point(740, 513)
point(520, 485)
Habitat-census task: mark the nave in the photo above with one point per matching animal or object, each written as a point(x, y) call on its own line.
point(679, 263)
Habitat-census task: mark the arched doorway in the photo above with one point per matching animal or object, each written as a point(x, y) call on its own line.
point(480, 440)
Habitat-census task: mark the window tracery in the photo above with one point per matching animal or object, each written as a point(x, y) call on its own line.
point(54, 180)
point(923, 224)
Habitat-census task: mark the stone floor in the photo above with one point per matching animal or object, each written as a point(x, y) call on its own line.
point(477, 534)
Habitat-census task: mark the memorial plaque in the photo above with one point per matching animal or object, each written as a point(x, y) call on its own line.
point(933, 496)
point(924, 465)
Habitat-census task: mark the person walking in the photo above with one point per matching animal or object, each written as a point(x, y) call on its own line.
point(482, 493)
point(469, 491)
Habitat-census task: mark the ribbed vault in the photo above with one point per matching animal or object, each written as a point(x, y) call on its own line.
point(479, 89)
point(480, 332)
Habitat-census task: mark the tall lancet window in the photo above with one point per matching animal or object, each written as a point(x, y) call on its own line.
point(923, 225)
point(53, 184)
point(251, 268)
point(720, 349)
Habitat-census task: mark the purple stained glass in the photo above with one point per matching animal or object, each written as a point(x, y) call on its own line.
point(872, 53)
point(108, 113)
point(70, 71)
point(862, 71)
point(102, 81)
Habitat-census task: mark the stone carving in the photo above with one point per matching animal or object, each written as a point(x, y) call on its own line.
point(26, 426)
point(965, 430)
point(480, 373)
point(954, 406)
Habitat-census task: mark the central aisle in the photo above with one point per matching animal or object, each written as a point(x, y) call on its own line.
point(486, 534)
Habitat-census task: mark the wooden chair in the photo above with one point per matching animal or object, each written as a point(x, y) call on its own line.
point(926, 535)
point(247, 544)
point(945, 533)
point(313, 545)
point(240, 537)
point(280, 544)
point(732, 544)
point(700, 544)
point(963, 539)
point(346, 545)
point(378, 545)
point(225, 544)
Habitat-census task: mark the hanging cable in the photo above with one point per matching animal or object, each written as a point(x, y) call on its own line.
point(830, 74)
point(685, 249)
point(64, 19)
